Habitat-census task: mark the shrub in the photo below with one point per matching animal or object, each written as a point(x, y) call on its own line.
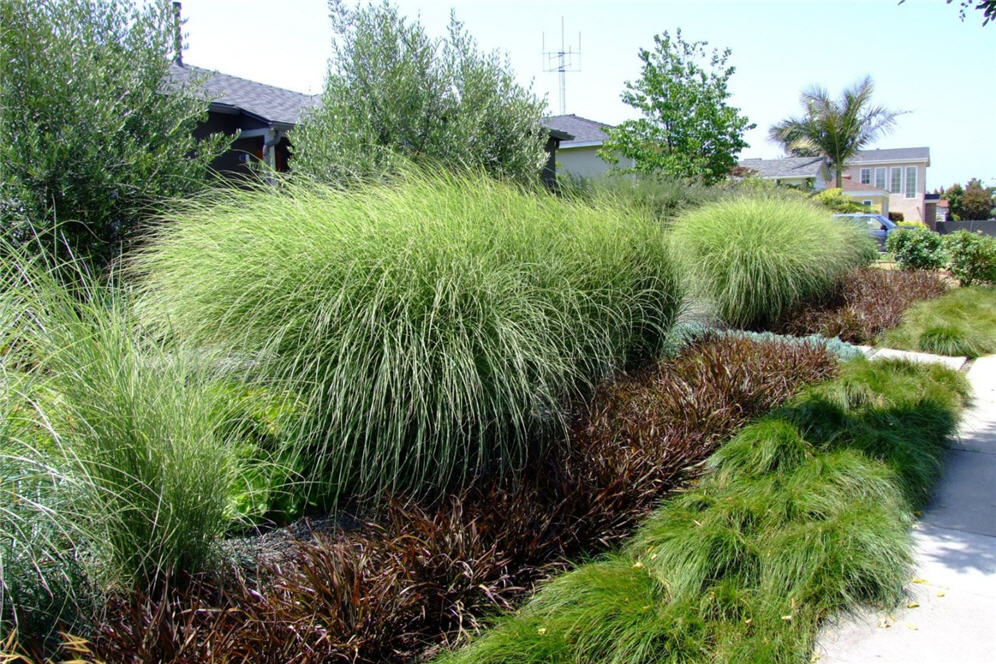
point(972, 257)
point(916, 249)
point(834, 199)
point(754, 258)
point(914, 225)
point(393, 93)
point(659, 197)
point(104, 77)
point(864, 304)
point(434, 326)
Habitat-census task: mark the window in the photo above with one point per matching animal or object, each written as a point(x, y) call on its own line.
point(866, 176)
point(880, 178)
point(896, 181)
point(911, 182)
point(867, 204)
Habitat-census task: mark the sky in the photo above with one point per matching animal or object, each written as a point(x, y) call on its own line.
point(922, 57)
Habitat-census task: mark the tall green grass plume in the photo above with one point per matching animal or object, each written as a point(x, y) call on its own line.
point(118, 465)
point(437, 326)
point(756, 257)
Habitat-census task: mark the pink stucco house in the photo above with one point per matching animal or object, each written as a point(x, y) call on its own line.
point(890, 180)
point(898, 175)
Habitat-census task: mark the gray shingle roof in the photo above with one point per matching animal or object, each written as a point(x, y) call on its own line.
point(894, 154)
point(789, 167)
point(268, 102)
point(582, 129)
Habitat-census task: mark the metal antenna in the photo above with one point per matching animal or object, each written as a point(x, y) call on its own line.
point(562, 61)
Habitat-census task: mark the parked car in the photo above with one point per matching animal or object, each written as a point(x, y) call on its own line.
point(877, 225)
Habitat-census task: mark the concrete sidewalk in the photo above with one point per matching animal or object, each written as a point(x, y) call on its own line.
point(950, 615)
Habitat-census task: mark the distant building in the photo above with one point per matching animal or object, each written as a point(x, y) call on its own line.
point(806, 173)
point(261, 114)
point(264, 114)
point(891, 180)
point(578, 156)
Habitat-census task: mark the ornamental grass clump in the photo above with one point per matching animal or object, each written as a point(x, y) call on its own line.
point(437, 325)
point(754, 258)
point(117, 465)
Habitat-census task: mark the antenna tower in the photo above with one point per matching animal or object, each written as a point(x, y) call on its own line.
point(562, 61)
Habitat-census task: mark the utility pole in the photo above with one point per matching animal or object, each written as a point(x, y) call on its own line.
point(562, 61)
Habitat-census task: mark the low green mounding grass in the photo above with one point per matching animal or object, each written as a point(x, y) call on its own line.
point(436, 325)
point(962, 322)
point(116, 471)
point(754, 257)
point(803, 515)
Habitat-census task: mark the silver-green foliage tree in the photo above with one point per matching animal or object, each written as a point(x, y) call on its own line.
point(91, 134)
point(688, 129)
point(392, 91)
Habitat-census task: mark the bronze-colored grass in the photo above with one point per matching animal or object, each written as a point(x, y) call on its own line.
point(422, 576)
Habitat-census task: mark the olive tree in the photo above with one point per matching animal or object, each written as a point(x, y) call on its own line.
point(91, 132)
point(394, 92)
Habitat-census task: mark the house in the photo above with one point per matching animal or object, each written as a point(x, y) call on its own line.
point(889, 180)
point(806, 173)
point(261, 114)
point(579, 155)
point(902, 172)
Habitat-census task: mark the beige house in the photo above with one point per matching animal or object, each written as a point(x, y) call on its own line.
point(579, 156)
point(902, 172)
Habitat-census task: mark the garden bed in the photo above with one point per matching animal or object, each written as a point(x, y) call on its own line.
point(422, 575)
point(803, 515)
point(864, 304)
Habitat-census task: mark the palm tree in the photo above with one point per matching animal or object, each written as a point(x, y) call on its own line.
point(835, 129)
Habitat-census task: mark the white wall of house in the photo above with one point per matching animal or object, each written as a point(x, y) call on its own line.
point(906, 182)
point(818, 183)
point(585, 162)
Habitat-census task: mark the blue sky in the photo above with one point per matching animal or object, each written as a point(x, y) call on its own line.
point(921, 56)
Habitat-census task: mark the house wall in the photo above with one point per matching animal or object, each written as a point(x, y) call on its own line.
point(585, 162)
point(818, 183)
point(913, 209)
point(231, 162)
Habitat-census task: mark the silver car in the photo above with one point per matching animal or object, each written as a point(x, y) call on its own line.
point(877, 225)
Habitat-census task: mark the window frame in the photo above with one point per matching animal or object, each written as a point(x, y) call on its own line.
point(865, 175)
point(910, 191)
point(884, 172)
point(896, 186)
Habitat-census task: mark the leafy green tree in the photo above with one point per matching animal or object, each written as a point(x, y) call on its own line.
point(834, 128)
point(90, 136)
point(977, 201)
point(688, 129)
point(987, 7)
point(953, 195)
point(392, 91)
